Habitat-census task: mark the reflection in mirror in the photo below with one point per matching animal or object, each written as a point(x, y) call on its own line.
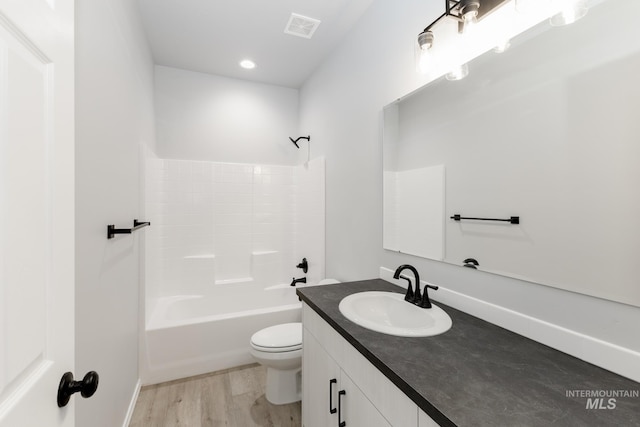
point(415, 219)
point(547, 131)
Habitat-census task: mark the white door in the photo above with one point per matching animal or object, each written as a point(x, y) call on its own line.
point(36, 210)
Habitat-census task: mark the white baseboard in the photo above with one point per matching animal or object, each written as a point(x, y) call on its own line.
point(132, 404)
point(611, 357)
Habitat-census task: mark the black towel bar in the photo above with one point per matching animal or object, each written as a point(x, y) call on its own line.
point(112, 230)
point(512, 220)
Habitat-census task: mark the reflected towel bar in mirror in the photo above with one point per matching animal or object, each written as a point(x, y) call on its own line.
point(112, 230)
point(512, 220)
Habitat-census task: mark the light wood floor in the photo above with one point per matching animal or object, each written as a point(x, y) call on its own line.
point(233, 397)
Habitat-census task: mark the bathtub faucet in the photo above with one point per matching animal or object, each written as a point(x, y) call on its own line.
point(303, 265)
point(302, 280)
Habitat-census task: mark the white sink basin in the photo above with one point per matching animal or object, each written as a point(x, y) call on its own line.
point(389, 313)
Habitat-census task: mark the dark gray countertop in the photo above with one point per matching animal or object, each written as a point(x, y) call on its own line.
point(479, 374)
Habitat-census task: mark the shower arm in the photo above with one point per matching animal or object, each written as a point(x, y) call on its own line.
point(295, 142)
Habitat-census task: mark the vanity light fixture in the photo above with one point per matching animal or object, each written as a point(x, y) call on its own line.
point(467, 13)
point(572, 10)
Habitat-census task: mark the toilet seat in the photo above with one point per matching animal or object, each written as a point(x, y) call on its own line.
point(279, 338)
point(276, 349)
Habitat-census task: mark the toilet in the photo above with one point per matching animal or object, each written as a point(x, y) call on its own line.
point(279, 348)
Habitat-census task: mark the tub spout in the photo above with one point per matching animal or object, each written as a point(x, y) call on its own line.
point(302, 280)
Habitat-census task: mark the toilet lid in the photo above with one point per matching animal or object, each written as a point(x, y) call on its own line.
point(284, 337)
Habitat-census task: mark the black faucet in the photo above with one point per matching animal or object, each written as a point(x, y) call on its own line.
point(411, 296)
point(302, 280)
point(426, 303)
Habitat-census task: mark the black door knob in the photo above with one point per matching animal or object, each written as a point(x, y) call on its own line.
point(68, 386)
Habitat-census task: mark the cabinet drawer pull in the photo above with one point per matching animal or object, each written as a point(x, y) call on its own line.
point(332, 410)
point(340, 394)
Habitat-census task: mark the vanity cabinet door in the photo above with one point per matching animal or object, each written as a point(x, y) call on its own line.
point(368, 394)
point(323, 384)
point(320, 377)
point(355, 409)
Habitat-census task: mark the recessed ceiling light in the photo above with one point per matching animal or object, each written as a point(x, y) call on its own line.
point(248, 64)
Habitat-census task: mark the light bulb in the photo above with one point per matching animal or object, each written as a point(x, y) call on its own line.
point(424, 61)
point(469, 22)
point(425, 40)
point(423, 56)
point(469, 14)
point(571, 11)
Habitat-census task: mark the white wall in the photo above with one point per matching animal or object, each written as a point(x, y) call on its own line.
point(341, 106)
point(114, 116)
point(206, 117)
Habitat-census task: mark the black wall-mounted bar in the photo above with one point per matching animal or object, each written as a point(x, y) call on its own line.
point(295, 141)
point(112, 230)
point(512, 220)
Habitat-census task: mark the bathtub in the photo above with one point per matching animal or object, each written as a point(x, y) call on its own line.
point(189, 335)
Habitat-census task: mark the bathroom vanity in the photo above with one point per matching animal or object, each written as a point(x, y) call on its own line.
point(341, 385)
point(475, 374)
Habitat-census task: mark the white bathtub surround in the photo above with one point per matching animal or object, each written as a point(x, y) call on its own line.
point(217, 223)
point(225, 242)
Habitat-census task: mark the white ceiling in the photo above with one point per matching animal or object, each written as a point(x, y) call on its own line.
point(213, 36)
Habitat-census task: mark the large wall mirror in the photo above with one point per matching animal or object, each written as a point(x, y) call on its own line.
point(548, 131)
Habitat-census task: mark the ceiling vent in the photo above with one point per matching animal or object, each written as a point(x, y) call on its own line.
point(301, 26)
